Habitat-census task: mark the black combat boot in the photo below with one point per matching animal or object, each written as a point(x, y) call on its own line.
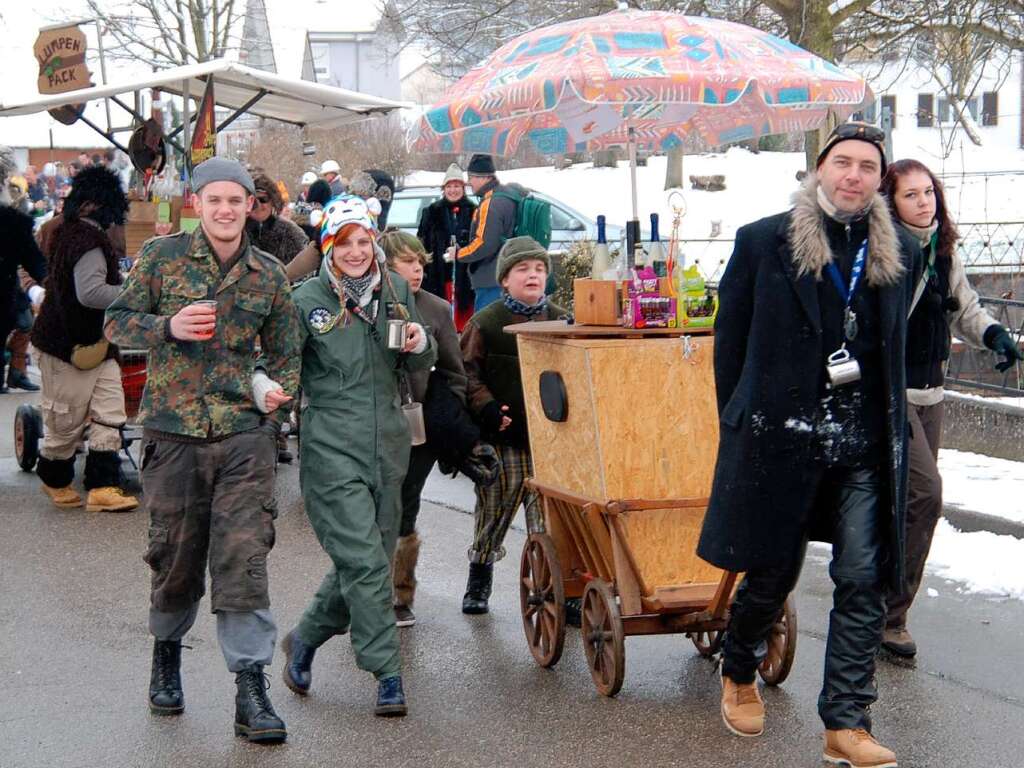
point(478, 588)
point(19, 380)
point(165, 694)
point(390, 698)
point(298, 665)
point(255, 717)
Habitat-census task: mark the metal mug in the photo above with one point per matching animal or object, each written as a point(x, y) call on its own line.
point(398, 332)
point(842, 368)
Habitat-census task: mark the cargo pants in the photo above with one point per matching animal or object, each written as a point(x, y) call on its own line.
point(212, 502)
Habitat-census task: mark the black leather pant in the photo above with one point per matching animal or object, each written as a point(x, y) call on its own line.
point(852, 501)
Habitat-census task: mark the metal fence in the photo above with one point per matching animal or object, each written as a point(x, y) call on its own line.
point(991, 248)
point(971, 368)
point(992, 253)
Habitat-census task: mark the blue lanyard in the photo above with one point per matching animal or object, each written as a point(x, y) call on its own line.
point(858, 269)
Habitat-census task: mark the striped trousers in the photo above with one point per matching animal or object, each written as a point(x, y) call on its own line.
point(498, 503)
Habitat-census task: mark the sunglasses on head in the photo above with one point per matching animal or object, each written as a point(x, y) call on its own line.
point(863, 131)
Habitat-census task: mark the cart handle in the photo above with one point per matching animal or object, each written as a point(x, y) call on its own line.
point(617, 506)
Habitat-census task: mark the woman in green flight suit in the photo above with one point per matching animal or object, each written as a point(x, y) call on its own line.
point(355, 446)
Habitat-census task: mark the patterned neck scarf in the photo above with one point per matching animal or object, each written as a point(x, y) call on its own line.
point(517, 307)
point(355, 287)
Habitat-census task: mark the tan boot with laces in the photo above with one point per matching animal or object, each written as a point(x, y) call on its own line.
point(110, 499)
point(66, 497)
point(742, 708)
point(856, 748)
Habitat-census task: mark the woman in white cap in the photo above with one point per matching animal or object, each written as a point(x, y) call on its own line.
point(355, 445)
point(443, 224)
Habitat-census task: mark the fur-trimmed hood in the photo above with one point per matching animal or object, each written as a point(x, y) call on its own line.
point(808, 240)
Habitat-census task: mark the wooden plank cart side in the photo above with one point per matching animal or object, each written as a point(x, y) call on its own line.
point(624, 433)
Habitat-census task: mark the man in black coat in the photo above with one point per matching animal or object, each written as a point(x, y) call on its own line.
point(448, 217)
point(19, 250)
point(809, 368)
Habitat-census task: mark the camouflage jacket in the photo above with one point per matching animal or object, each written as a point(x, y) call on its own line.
point(204, 388)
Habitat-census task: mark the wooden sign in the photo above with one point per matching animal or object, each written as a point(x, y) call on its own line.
point(204, 136)
point(60, 52)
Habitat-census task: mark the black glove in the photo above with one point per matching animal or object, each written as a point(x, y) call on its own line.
point(491, 416)
point(998, 339)
point(481, 465)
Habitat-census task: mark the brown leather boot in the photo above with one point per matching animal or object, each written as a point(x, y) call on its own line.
point(66, 497)
point(742, 708)
point(856, 748)
point(110, 499)
point(899, 641)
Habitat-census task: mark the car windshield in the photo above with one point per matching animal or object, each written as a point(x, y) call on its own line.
point(405, 212)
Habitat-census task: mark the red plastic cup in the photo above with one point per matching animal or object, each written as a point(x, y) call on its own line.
point(212, 303)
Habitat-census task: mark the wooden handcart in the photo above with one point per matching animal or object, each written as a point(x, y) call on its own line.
point(624, 432)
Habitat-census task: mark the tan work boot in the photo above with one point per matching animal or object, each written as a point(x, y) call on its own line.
point(65, 497)
point(110, 499)
point(899, 641)
point(742, 708)
point(856, 748)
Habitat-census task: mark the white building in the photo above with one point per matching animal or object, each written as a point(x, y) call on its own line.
point(925, 127)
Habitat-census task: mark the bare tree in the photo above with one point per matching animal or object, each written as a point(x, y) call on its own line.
point(169, 33)
point(964, 32)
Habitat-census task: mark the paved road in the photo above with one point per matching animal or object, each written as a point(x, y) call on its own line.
point(74, 662)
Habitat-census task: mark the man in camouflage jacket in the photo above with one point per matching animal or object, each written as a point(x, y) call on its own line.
point(199, 302)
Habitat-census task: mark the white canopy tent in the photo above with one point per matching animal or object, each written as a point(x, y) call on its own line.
point(237, 87)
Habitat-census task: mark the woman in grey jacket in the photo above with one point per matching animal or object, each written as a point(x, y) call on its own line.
point(944, 305)
point(406, 255)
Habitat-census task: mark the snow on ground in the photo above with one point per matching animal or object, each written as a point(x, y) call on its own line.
point(981, 561)
point(757, 185)
point(983, 484)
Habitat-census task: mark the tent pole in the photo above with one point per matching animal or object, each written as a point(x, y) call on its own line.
point(632, 226)
point(186, 137)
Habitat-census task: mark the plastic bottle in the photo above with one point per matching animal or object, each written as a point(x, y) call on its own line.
point(602, 262)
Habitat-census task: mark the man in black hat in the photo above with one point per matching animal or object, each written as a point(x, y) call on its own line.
point(812, 405)
point(494, 222)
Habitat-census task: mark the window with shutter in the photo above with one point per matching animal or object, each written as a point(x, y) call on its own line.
point(990, 108)
point(925, 110)
point(889, 102)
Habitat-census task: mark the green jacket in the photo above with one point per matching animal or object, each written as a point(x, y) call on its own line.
point(203, 389)
point(353, 425)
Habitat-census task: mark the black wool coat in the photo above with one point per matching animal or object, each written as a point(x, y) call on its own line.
point(19, 250)
point(769, 360)
point(438, 223)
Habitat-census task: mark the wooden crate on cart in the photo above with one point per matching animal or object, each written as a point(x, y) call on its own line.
point(624, 434)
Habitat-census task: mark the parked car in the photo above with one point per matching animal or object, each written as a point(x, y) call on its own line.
point(567, 224)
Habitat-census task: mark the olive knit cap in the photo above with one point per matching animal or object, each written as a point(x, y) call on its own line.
point(517, 249)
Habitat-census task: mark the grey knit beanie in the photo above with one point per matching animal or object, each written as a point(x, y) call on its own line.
point(517, 249)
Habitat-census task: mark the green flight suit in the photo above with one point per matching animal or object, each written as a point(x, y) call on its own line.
point(354, 454)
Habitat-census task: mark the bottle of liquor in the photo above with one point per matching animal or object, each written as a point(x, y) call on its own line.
point(656, 252)
point(602, 263)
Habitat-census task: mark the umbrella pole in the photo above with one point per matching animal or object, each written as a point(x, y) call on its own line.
point(633, 226)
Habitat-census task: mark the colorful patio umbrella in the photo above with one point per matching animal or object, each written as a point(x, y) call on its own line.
point(638, 79)
point(580, 84)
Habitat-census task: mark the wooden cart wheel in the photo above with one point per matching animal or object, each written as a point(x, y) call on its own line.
point(28, 431)
point(781, 646)
point(542, 599)
point(603, 638)
point(708, 641)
